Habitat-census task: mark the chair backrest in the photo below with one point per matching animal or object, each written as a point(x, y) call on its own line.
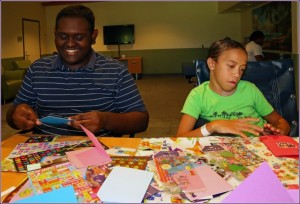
point(22, 64)
point(275, 79)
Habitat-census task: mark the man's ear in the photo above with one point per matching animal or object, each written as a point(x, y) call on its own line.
point(94, 36)
point(210, 63)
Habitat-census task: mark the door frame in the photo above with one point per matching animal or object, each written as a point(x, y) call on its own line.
point(23, 34)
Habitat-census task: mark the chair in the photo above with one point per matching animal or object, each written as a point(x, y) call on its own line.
point(11, 80)
point(275, 79)
point(22, 64)
point(188, 71)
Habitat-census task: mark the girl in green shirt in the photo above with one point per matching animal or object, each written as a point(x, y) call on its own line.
point(231, 105)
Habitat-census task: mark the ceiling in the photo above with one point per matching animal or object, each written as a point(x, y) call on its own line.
point(233, 6)
point(241, 6)
point(237, 6)
point(57, 3)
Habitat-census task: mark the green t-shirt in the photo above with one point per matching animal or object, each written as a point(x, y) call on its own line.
point(247, 101)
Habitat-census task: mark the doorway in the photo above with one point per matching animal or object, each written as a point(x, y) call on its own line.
point(31, 39)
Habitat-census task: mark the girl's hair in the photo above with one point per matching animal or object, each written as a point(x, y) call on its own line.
point(77, 11)
point(218, 47)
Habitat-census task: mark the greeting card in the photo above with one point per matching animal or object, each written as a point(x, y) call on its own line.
point(125, 185)
point(281, 145)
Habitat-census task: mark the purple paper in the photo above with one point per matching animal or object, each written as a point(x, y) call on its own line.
point(262, 186)
point(294, 193)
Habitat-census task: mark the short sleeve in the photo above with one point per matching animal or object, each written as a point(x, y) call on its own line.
point(192, 104)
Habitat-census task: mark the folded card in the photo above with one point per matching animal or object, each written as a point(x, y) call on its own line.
point(89, 156)
point(281, 145)
point(125, 185)
point(54, 120)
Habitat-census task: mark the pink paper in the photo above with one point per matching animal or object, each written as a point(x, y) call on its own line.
point(89, 156)
point(213, 183)
point(189, 181)
point(94, 140)
point(260, 187)
point(25, 191)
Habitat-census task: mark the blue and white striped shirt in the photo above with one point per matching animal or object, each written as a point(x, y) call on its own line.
point(105, 84)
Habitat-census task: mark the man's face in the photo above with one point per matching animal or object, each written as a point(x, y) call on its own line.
point(73, 41)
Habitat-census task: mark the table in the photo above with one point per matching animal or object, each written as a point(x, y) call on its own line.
point(134, 65)
point(9, 179)
point(285, 168)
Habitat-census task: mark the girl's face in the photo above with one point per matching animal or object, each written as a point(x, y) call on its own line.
point(226, 71)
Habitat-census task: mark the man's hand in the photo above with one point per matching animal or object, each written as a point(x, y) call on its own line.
point(24, 117)
point(93, 121)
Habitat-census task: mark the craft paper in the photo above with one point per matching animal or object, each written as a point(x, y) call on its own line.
point(130, 161)
point(62, 195)
point(205, 141)
point(89, 156)
point(35, 139)
point(58, 176)
point(125, 185)
point(150, 191)
point(294, 193)
point(54, 120)
point(94, 140)
point(189, 181)
point(23, 192)
point(281, 145)
point(213, 183)
point(30, 148)
point(260, 187)
point(121, 151)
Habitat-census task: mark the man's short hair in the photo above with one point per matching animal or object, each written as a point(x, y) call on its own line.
point(77, 11)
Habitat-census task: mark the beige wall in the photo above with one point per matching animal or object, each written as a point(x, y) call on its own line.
point(11, 26)
point(160, 25)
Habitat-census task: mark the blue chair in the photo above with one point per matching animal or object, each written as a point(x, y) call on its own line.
point(275, 79)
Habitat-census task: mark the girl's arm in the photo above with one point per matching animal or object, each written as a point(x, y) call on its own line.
point(237, 127)
point(276, 124)
point(186, 127)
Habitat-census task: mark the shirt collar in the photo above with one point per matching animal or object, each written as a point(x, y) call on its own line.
point(58, 64)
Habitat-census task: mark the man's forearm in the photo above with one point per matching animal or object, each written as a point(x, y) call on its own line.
point(126, 123)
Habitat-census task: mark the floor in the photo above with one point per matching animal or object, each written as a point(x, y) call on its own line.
point(163, 95)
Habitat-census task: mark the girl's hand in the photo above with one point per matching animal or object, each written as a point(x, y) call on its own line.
point(237, 127)
point(271, 130)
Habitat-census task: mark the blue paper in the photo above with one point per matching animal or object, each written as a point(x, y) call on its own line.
point(61, 195)
point(54, 120)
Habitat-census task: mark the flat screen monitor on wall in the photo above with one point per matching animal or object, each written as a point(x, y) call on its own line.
point(118, 34)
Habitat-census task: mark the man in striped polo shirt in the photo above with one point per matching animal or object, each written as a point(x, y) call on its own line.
point(92, 90)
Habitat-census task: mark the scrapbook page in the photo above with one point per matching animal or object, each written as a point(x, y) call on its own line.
point(61, 175)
